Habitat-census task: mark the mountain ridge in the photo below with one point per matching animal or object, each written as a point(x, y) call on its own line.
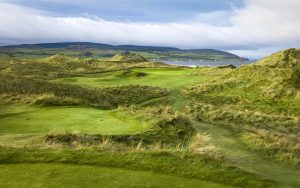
point(100, 46)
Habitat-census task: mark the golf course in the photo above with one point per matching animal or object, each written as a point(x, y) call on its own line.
point(125, 121)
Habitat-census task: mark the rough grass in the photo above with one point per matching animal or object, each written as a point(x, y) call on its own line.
point(60, 66)
point(128, 57)
point(260, 97)
point(42, 92)
point(235, 149)
point(200, 143)
point(168, 126)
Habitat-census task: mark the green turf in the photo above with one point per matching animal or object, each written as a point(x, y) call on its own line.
point(160, 162)
point(172, 79)
point(163, 77)
point(35, 119)
point(68, 175)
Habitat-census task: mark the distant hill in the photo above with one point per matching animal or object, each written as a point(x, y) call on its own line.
point(105, 50)
point(128, 57)
point(78, 45)
point(58, 58)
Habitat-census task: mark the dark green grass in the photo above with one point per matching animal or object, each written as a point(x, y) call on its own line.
point(156, 162)
point(69, 175)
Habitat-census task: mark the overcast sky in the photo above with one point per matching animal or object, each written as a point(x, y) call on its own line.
point(249, 28)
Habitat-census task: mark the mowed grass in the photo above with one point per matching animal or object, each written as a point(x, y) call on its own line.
point(174, 79)
point(70, 175)
point(36, 119)
point(169, 78)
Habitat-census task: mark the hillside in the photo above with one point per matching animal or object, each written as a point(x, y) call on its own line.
point(289, 58)
point(62, 65)
point(261, 99)
point(60, 58)
point(276, 76)
point(96, 50)
point(128, 57)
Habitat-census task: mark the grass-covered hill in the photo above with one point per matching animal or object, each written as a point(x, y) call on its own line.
point(62, 65)
point(95, 50)
point(23, 90)
point(262, 99)
point(128, 58)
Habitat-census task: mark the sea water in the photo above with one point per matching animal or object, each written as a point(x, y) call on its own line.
point(195, 63)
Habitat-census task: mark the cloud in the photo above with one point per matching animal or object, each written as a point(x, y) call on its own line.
point(145, 10)
point(261, 26)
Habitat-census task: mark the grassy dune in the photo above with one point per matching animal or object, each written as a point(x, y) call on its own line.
point(261, 100)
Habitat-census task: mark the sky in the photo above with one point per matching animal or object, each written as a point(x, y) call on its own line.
point(249, 28)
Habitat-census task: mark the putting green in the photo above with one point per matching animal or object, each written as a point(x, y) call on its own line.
point(35, 119)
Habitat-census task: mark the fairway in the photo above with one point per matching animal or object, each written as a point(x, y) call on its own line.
point(172, 79)
point(35, 119)
point(69, 175)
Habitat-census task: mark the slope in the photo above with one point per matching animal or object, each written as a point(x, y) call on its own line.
point(262, 99)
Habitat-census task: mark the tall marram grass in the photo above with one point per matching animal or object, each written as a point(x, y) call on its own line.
point(16, 88)
point(200, 144)
point(259, 96)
